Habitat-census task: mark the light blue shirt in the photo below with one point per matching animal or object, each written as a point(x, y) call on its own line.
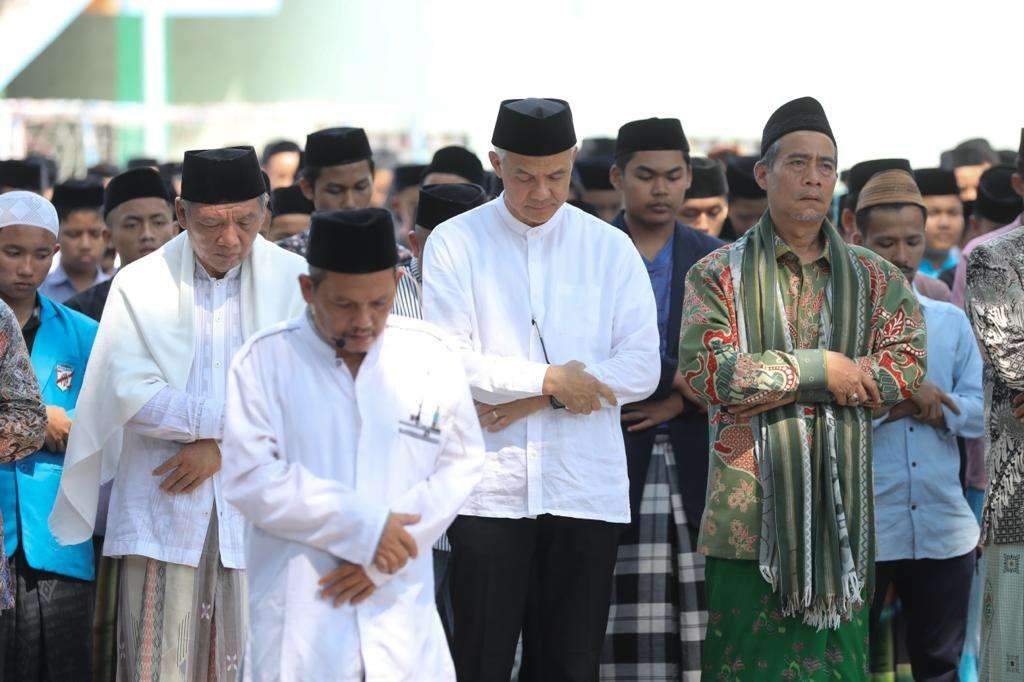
point(660, 272)
point(58, 287)
point(920, 508)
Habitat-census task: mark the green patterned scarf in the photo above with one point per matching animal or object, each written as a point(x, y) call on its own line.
point(816, 527)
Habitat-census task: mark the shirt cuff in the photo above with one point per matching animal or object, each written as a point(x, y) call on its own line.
point(810, 364)
point(211, 420)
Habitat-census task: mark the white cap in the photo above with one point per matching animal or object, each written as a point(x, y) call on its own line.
point(28, 208)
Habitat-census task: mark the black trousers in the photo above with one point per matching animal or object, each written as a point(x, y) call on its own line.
point(548, 578)
point(935, 594)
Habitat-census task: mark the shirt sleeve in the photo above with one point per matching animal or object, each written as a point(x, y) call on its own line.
point(177, 416)
point(966, 391)
point(459, 466)
point(709, 355)
point(633, 370)
point(995, 305)
point(448, 303)
point(281, 497)
point(899, 342)
point(22, 415)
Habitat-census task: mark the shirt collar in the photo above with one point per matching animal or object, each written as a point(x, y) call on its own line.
point(200, 273)
point(521, 228)
point(782, 248)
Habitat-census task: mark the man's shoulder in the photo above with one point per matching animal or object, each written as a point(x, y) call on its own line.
point(468, 225)
point(423, 334)
point(999, 247)
point(92, 297)
point(942, 310)
point(85, 325)
point(270, 337)
point(715, 262)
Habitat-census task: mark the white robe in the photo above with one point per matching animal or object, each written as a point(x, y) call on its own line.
point(315, 461)
point(145, 342)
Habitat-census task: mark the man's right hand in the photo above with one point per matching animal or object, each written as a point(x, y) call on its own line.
point(929, 400)
point(576, 388)
point(395, 545)
point(849, 384)
point(58, 426)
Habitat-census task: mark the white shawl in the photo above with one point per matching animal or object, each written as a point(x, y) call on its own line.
point(146, 341)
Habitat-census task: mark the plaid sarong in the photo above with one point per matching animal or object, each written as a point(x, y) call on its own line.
point(658, 612)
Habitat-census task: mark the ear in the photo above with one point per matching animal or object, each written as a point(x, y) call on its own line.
point(307, 189)
point(615, 176)
point(495, 163)
point(1017, 180)
point(761, 175)
point(847, 218)
point(414, 244)
point(855, 237)
point(179, 213)
point(306, 285)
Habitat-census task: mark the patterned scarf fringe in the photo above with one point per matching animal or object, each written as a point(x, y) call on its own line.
point(826, 612)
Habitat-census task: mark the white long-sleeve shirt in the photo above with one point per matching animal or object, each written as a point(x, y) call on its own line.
point(499, 287)
point(316, 459)
point(144, 520)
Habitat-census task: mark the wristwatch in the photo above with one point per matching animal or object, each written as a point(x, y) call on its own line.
point(556, 404)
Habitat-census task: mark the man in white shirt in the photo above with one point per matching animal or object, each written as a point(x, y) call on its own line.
point(154, 391)
point(553, 312)
point(346, 493)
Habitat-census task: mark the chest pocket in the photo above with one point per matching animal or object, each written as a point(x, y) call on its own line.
point(419, 436)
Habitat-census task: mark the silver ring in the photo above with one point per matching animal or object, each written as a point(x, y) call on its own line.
point(855, 398)
point(494, 413)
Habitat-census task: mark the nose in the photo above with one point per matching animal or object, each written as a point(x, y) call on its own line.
point(659, 186)
point(24, 266)
point(348, 200)
point(363, 318)
point(229, 237)
point(542, 191)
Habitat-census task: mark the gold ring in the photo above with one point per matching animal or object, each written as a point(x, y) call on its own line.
point(494, 413)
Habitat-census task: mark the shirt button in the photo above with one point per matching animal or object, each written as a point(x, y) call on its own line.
point(911, 428)
point(217, 363)
point(913, 507)
point(913, 464)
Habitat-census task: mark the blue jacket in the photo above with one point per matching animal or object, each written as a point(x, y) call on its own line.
point(689, 431)
point(29, 486)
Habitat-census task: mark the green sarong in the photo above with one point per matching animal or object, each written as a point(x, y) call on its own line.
point(748, 638)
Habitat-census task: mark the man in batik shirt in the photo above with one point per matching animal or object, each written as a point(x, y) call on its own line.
point(792, 336)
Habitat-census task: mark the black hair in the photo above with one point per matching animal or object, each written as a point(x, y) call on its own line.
point(311, 173)
point(864, 214)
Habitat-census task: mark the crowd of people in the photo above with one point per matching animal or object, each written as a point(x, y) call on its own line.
point(607, 410)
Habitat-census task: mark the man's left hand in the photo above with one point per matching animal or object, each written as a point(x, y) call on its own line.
point(653, 412)
point(748, 411)
point(188, 469)
point(347, 583)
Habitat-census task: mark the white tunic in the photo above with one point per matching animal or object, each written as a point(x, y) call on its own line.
point(498, 287)
point(315, 461)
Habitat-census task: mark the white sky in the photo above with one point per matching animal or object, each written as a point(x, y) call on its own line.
point(897, 77)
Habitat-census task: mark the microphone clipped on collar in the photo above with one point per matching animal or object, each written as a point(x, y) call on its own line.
point(339, 343)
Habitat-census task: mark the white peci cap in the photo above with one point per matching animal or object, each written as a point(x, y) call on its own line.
point(28, 208)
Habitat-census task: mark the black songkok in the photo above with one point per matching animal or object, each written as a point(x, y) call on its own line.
point(103, 170)
point(805, 113)
point(597, 148)
point(439, 203)
point(708, 179)
point(138, 183)
point(354, 242)
point(143, 162)
point(406, 176)
point(336, 147)
point(996, 199)
point(49, 166)
point(593, 173)
point(861, 172)
point(651, 134)
point(936, 182)
point(278, 147)
point(288, 200)
point(1020, 150)
point(974, 152)
point(739, 172)
point(77, 194)
point(534, 127)
point(221, 176)
point(18, 174)
point(456, 160)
